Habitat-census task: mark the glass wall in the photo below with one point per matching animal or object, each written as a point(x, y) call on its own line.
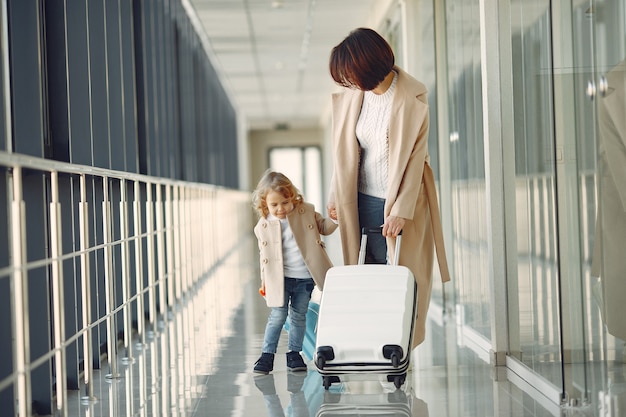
point(424, 67)
point(564, 301)
point(534, 294)
point(563, 133)
point(467, 167)
point(596, 179)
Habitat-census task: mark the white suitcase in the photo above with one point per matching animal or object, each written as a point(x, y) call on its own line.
point(366, 320)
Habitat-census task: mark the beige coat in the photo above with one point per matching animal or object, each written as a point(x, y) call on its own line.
point(307, 225)
point(411, 193)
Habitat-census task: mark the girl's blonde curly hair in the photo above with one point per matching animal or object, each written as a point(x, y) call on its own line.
point(274, 181)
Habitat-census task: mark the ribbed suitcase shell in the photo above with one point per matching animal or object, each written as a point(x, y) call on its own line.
point(362, 309)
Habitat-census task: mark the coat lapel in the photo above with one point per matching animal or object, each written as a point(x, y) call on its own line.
point(405, 123)
point(346, 110)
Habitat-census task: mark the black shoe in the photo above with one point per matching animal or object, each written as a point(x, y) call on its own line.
point(264, 364)
point(295, 362)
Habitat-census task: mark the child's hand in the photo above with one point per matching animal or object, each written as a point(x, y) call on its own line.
point(332, 211)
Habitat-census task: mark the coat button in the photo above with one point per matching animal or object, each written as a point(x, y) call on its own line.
point(318, 241)
point(265, 261)
point(310, 226)
point(264, 243)
point(265, 224)
point(301, 210)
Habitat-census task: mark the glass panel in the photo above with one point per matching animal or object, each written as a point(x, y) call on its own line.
point(599, 47)
point(534, 294)
point(469, 246)
point(426, 72)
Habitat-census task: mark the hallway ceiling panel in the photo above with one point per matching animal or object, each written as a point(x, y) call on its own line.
point(274, 54)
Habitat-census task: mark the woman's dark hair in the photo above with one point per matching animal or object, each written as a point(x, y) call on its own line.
point(362, 60)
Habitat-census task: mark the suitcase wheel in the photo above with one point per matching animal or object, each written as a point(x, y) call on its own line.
point(393, 352)
point(398, 380)
point(327, 381)
point(324, 353)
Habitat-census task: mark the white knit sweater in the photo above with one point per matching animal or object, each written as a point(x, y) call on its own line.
point(293, 262)
point(371, 132)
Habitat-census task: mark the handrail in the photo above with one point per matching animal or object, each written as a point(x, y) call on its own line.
point(171, 226)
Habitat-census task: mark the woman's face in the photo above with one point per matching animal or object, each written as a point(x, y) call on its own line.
point(278, 205)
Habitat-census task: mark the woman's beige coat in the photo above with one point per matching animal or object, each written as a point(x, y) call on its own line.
point(306, 225)
point(411, 193)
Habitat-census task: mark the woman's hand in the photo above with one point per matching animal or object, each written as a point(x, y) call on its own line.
point(332, 211)
point(393, 225)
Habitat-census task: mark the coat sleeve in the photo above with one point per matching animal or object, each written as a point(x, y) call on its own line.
point(257, 233)
point(404, 205)
point(325, 225)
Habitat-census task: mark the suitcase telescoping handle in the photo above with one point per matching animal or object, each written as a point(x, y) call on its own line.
point(378, 230)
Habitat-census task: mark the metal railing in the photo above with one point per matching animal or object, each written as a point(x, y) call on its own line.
point(152, 238)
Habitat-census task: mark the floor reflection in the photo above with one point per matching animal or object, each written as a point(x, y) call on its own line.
point(199, 363)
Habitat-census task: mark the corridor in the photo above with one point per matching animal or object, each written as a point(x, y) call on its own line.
point(132, 133)
point(199, 363)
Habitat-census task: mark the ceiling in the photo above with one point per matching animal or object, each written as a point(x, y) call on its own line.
point(273, 54)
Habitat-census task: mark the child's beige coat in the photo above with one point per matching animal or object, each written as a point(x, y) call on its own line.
point(307, 225)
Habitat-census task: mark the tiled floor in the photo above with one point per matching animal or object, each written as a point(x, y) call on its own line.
point(199, 363)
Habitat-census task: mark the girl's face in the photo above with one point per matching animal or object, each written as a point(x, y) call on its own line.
point(278, 205)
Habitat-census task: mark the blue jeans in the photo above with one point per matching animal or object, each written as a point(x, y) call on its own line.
point(372, 214)
point(297, 297)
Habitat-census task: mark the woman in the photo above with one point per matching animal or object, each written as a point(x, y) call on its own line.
point(381, 173)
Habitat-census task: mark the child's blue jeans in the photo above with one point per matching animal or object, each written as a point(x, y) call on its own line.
point(297, 297)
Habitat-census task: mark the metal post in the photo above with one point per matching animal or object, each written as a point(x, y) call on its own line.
point(169, 234)
point(125, 261)
point(161, 251)
point(58, 304)
point(205, 220)
point(19, 299)
point(139, 266)
point(177, 270)
point(211, 228)
point(152, 315)
point(109, 281)
point(193, 248)
point(86, 291)
point(183, 234)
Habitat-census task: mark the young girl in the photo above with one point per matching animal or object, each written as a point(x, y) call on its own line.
point(293, 261)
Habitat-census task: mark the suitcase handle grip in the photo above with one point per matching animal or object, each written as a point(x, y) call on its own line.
point(374, 230)
point(379, 230)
